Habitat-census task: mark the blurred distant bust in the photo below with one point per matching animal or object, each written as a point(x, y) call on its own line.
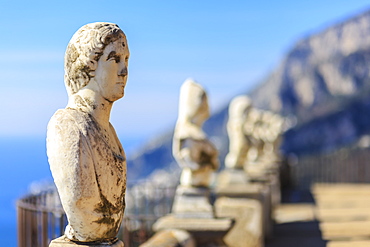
point(86, 158)
point(239, 140)
point(195, 154)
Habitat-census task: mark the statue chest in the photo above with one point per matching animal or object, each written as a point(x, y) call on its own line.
point(110, 171)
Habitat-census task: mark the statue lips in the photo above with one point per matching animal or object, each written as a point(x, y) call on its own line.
point(121, 80)
point(122, 85)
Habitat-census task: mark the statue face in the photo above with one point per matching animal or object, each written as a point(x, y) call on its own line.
point(203, 111)
point(205, 107)
point(111, 73)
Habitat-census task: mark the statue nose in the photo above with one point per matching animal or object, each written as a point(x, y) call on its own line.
point(123, 72)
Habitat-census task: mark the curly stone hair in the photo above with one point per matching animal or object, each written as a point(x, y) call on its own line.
point(83, 52)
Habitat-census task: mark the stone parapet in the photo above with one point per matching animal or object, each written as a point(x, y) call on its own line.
point(247, 231)
point(204, 231)
point(65, 242)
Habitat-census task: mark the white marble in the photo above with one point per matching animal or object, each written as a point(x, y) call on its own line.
point(239, 140)
point(86, 158)
point(267, 134)
point(195, 154)
point(273, 136)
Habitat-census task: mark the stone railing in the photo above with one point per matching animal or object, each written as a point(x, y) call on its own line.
point(346, 165)
point(41, 217)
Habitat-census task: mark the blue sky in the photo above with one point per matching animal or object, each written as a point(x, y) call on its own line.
point(228, 46)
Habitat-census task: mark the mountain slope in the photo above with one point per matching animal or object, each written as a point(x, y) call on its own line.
point(323, 85)
point(321, 72)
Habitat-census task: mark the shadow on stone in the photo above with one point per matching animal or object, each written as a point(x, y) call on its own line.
point(302, 234)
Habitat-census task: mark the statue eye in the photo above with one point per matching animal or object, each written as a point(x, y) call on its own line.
point(114, 56)
point(117, 59)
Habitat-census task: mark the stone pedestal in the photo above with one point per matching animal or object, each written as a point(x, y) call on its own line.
point(204, 231)
point(272, 179)
point(232, 177)
point(275, 188)
point(65, 242)
point(261, 169)
point(170, 238)
point(247, 231)
point(268, 173)
point(258, 191)
point(192, 202)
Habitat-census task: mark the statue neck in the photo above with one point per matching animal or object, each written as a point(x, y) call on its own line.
point(187, 129)
point(91, 102)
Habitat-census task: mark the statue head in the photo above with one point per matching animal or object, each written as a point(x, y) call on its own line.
point(193, 103)
point(239, 106)
point(84, 51)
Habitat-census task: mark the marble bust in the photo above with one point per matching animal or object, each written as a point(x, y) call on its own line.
point(271, 134)
point(195, 154)
point(86, 158)
point(239, 140)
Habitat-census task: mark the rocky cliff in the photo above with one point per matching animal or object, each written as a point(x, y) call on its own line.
point(322, 85)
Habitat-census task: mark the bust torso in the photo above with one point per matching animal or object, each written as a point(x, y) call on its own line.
point(89, 173)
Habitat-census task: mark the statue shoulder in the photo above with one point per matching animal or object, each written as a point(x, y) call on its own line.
point(67, 114)
point(66, 131)
point(70, 119)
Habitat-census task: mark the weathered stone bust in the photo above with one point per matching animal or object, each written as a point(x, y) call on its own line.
point(195, 154)
point(86, 158)
point(240, 141)
point(271, 132)
point(252, 132)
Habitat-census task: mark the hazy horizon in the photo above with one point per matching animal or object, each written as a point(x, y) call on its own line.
point(227, 47)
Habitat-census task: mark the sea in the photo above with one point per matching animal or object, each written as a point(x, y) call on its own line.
point(23, 165)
